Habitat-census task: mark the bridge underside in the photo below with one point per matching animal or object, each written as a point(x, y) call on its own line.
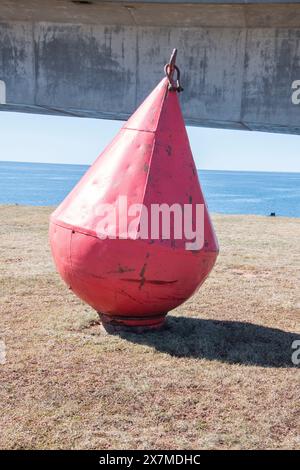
point(100, 59)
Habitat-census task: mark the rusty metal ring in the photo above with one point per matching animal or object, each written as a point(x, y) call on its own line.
point(174, 85)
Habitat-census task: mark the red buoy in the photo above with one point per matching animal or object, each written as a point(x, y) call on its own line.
point(134, 238)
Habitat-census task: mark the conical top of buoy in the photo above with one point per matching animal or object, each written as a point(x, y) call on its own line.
point(149, 165)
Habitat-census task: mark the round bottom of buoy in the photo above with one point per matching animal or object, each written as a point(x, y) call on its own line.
point(116, 324)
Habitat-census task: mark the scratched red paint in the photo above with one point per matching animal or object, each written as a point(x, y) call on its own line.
point(135, 282)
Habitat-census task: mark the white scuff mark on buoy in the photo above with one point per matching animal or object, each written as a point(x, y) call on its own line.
point(2, 92)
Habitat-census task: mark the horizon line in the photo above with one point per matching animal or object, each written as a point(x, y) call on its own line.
point(198, 169)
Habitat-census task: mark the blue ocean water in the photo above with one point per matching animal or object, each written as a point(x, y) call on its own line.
point(228, 192)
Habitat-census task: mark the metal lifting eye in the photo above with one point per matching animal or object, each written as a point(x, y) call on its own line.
point(170, 68)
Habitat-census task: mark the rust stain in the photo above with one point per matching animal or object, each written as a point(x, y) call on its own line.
point(123, 292)
point(125, 269)
point(142, 274)
point(151, 281)
point(122, 269)
point(169, 150)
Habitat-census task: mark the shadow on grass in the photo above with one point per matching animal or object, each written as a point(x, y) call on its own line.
point(227, 341)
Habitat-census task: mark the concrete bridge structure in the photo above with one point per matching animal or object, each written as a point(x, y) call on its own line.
point(240, 60)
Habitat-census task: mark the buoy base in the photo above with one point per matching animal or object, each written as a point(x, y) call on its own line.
point(115, 324)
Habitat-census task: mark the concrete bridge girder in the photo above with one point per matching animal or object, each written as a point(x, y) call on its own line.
point(238, 61)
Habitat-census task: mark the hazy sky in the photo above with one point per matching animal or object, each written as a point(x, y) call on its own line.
point(51, 139)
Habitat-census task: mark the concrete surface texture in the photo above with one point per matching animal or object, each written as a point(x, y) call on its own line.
point(101, 58)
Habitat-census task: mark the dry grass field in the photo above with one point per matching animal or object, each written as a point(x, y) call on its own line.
point(218, 376)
